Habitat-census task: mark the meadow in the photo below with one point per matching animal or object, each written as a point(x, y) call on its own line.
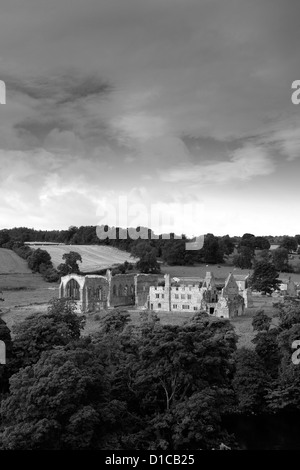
point(94, 257)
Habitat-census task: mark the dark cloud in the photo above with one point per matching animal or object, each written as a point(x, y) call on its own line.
point(65, 87)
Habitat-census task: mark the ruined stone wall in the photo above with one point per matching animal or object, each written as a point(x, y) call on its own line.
point(248, 299)
point(122, 290)
point(229, 307)
point(95, 293)
point(143, 282)
point(291, 289)
point(72, 287)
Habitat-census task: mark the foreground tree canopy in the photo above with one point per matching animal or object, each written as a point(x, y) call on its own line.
point(147, 386)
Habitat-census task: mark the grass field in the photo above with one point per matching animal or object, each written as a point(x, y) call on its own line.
point(11, 263)
point(94, 257)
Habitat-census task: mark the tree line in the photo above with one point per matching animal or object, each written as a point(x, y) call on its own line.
point(241, 252)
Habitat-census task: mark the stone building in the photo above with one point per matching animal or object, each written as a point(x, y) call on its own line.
point(198, 297)
point(95, 292)
point(230, 303)
point(242, 281)
point(288, 287)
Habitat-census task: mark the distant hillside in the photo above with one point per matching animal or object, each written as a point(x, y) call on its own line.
point(94, 257)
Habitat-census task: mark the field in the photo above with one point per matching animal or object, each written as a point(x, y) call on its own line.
point(94, 257)
point(11, 263)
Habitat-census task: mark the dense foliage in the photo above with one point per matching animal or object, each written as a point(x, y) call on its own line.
point(149, 386)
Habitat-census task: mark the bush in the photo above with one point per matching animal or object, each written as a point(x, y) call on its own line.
point(51, 275)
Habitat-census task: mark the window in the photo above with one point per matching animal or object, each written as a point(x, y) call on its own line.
point(182, 296)
point(176, 296)
point(157, 296)
point(158, 305)
point(195, 308)
point(73, 289)
point(189, 297)
point(162, 296)
point(99, 293)
point(174, 305)
point(185, 307)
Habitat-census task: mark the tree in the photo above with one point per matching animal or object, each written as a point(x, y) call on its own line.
point(4, 237)
point(280, 258)
point(148, 263)
point(178, 378)
point(261, 321)
point(71, 263)
point(212, 250)
point(71, 233)
point(49, 273)
point(266, 342)
point(290, 243)
point(262, 243)
point(249, 383)
point(37, 258)
point(226, 245)
point(60, 402)
point(248, 240)
point(41, 332)
point(264, 278)
point(244, 259)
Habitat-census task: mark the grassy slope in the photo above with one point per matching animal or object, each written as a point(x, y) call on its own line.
point(10, 262)
point(23, 291)
point(94, 257)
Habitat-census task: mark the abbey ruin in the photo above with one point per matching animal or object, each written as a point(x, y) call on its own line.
point(93, 293)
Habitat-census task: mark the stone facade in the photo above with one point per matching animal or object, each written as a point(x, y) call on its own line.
point(288, 287)
point(198, 297)
point(94, 293)
point(230, 303)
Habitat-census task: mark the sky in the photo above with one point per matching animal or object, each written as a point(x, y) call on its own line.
point(171, 114)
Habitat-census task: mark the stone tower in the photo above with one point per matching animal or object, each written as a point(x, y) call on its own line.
point(167, 291)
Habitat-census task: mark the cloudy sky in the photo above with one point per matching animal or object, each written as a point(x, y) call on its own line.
point(166, 113)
